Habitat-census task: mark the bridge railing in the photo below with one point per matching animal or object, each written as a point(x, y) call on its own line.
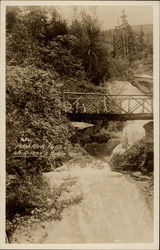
point(98, 103)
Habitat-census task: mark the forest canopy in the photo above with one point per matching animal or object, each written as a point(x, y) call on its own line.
point(80, 49)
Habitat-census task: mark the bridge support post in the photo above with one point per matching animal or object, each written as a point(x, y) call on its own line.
point(105, 107)
point(129, 101)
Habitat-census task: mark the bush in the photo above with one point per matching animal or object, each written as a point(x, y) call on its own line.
point(43, 205)
point(132, 159)
point(119, 69)
point(149, 162)
point(34, 112)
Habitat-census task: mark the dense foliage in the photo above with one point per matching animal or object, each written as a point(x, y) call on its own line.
point(33, 117)
point(34, 110)
point(135, 158)
point(40, 36)
point(129, 49)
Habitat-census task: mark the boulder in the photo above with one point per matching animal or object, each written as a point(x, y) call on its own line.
point(116, 158)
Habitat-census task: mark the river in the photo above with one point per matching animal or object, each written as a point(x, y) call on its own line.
point(112, 209)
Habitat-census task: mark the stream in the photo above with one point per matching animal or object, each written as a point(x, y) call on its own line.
point(111, 211)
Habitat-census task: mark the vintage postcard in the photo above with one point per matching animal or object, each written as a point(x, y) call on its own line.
point(79, 125)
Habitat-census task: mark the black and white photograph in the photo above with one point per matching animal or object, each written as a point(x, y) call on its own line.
point(81, 124)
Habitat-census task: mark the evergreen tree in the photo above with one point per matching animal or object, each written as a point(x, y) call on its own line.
point(141, 46)
point(124, 39)
point(92, 46)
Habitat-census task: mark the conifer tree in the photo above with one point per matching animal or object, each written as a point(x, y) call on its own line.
point(124, 39)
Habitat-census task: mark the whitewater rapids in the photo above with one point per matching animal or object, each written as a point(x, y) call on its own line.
point(112, 209)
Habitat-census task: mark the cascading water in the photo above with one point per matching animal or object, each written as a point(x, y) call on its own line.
point(112, 209)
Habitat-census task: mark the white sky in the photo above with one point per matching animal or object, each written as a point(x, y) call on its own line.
point(109, 15)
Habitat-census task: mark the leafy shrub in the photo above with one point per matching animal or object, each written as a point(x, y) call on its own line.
point(132, 159)
point(149, 164)
point(34, 110)
point(119, 69)
point(42, 206)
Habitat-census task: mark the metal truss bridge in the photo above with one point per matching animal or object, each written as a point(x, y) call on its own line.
point(98, 106)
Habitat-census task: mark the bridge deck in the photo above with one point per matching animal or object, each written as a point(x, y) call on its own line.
point(111, 117)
